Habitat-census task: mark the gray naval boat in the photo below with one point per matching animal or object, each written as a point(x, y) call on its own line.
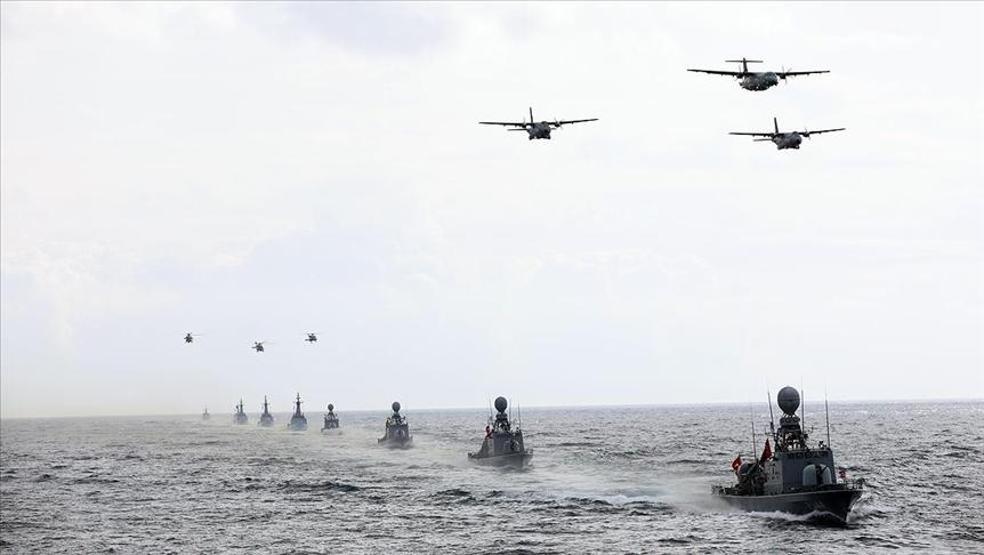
point(240, 415)
point(796, 478)
point(397, 430)
point(205, 414)
point(298, 422)
point(331, 421)
point(266, 419)
point(503, 444)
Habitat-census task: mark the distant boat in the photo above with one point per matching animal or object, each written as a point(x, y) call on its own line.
point(298, 423)
point(240, 416)
point(503, 444)
point(331, 421)
point(205, 414)
point(397, 430)
point(266, 419)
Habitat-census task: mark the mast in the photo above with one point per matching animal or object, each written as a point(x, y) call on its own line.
point(826, 409)
point(803, 413)
point(772, 418)
point(751, 420)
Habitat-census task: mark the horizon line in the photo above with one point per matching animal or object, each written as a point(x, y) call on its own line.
point(534, 407)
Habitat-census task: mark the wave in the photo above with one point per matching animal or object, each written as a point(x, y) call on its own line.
point(325, 486)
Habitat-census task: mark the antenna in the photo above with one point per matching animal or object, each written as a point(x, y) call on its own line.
point(826, 409)
point(751, 419)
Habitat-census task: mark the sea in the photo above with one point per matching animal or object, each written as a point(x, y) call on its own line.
point(602, 480)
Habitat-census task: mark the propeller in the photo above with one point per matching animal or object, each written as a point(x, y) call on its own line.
point(785, 70)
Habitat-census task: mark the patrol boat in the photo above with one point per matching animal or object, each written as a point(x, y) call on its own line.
point(266, 419)
point(503, 444)
point(331, 421)
point(240, 416)
point(796, 478)
point(298, 423)
point(397, 430)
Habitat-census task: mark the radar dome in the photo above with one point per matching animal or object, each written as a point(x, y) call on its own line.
point(396, 405)
point(788, 399)
point(501, 404)
point(331, 407)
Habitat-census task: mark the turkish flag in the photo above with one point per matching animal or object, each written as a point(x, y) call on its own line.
point(736, 464)
point(767, 452)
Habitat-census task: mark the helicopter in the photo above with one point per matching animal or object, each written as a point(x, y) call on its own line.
point(258, 346)
point(312, 338)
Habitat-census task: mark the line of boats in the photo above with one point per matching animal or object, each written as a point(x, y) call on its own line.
point(792, 477)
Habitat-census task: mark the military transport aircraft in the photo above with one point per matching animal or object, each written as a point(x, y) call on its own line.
point(790, 139)
point(757, 80)
point(190, 337)
point(258, 346)
point(536, 130)
point(312, 338)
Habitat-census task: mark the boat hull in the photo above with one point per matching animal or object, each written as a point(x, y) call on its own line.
point(833, 502)
point(515, 460)
point(395, 443)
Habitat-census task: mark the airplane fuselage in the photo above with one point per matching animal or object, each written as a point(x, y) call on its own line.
point(539, 130)
point(759, 81)
point(787, 140)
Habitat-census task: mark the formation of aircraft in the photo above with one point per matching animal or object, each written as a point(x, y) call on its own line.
point(536, 129)
point(749, 80)
point(258, 346)
point(757, 80)
point(784, 140)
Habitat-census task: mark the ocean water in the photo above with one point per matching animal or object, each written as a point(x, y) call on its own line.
point(608, 480)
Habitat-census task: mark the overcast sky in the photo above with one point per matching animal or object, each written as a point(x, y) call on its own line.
point(252, 172)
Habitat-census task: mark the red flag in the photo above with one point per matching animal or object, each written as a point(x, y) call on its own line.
point(767, 452)
point(736, 464)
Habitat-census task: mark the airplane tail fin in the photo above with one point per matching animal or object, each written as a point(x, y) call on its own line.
point(744, 63)
point(531, 114)
point(775, 122)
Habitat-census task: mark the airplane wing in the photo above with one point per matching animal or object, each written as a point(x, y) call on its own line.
point(715, 72)
point(785, 74)
point(565, 122)
point(505, 123)
point(808, 133)
point(752, 134)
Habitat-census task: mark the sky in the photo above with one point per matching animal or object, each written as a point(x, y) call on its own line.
point(257, 171)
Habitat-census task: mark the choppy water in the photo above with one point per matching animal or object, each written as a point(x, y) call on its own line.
point(602, 480)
